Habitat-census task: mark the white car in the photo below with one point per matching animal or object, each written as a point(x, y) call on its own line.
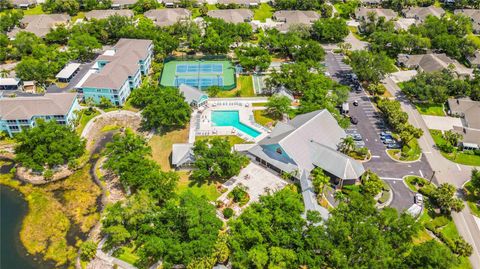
point(418, 198)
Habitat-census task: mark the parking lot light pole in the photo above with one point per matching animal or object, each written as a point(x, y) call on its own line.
point(431, 178)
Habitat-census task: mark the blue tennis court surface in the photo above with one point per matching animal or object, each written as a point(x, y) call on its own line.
point(199, 68)
point(199, 82)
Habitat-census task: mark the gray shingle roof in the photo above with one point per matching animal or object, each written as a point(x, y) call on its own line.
point(232, 15)
point(239, 2)
point(432, 62)
point(124, 63)
point(41, 24)
point(466, 108)
point(421, 13)
point(27, 107)
point(23, 2)
point(103, 14)
point(380, 12)
point(473, 14)
point(294, 17)
point(167, 16)
point(309, 196)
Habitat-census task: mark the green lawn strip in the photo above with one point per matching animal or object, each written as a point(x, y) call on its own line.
point(430, 109)
point(355, 33)
point(259, 104)
point(108, 128)
point(244, 88)
point(472, 200)
point(126, 254)
point(209, 190)
point(84, 119)
point(263, 12)
point(80, 15)
point(263, 119)
point(162, 146)
point(456, 156)
point(128, 106)
point(412, 154)
point(232, 139)
point(37, 10)
point(475, 39)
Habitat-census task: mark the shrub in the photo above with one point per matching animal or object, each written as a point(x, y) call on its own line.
point(440, 221)
point(88, 249)
point(228, 212)
point(48, 174)
point(427, 190)
point(239, 195)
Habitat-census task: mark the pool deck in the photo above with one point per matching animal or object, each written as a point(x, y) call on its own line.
point(204, 126)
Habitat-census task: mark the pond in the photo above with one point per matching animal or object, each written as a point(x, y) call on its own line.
point(13, 209)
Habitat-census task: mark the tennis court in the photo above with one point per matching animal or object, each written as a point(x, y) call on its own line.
point(199, 73)
point(200, 68)
point(203, 82)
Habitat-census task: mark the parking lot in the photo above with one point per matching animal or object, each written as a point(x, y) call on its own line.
point(370, 125)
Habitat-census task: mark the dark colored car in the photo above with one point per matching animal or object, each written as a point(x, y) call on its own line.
point(355, 103)
point(353, 120)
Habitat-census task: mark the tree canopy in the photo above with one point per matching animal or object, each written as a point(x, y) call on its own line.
point(127, 156)
point(330, 30)
point(162, 107)
point(215, 160)
point(371, 67)
point(47, 144)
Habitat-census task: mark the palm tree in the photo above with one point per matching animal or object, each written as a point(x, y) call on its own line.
point(319, 180)
point(4, 73)
point(347, 145)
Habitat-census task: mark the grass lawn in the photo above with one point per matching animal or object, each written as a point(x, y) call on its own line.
point(263, 12)
point(409, 180)
point(232, 139)
point(80, 15)
point(456, 156)
point(129, 106)
point(355, 33)
point(244, 88)
point(162, 146)
point(127, 255)
point(196, 11)
point(209, 190)
point(430, 109)
point(84, 119)
point(37, 10)
point(259, 104)
point(472, 200)
point(475, 39)
point(263, 119)
point(108, 128)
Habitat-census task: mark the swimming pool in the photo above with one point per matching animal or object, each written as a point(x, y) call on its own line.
point(231, 118)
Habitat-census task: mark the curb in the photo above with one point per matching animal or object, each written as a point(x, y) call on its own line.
point(399, 161)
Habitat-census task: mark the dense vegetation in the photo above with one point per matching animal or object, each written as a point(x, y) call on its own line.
point(47, 145)
point(163, 108)
point(272, 233)
point(127, 156)
point(215, 160)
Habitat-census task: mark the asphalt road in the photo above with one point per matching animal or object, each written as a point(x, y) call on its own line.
point(73, 82)
point(446, 171)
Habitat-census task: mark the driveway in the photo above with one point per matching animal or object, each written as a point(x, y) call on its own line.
point(73, 82)
point(402, 195)
point(402, 76)
point(441, 123)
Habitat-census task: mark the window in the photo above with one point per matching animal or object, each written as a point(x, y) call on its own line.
point(11, 121)
point(14, 128)
point(23, 121)
point(59, 117)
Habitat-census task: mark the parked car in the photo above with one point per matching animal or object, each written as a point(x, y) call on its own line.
point(357, 137)
point(386, 137)
point(353, 120)
point(355, 103)
point(393, 146)
point(360, 144)
point(385, 133)
point(418, 198)
point(388, 141)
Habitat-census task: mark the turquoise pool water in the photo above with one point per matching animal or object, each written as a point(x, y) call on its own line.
point(231, 118)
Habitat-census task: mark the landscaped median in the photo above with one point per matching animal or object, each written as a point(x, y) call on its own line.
point(410, 153)
point(472, 193)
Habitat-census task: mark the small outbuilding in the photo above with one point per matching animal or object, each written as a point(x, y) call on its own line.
point(193, 96)
point(182, 155)
point(67, 73)
point(10, 84)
